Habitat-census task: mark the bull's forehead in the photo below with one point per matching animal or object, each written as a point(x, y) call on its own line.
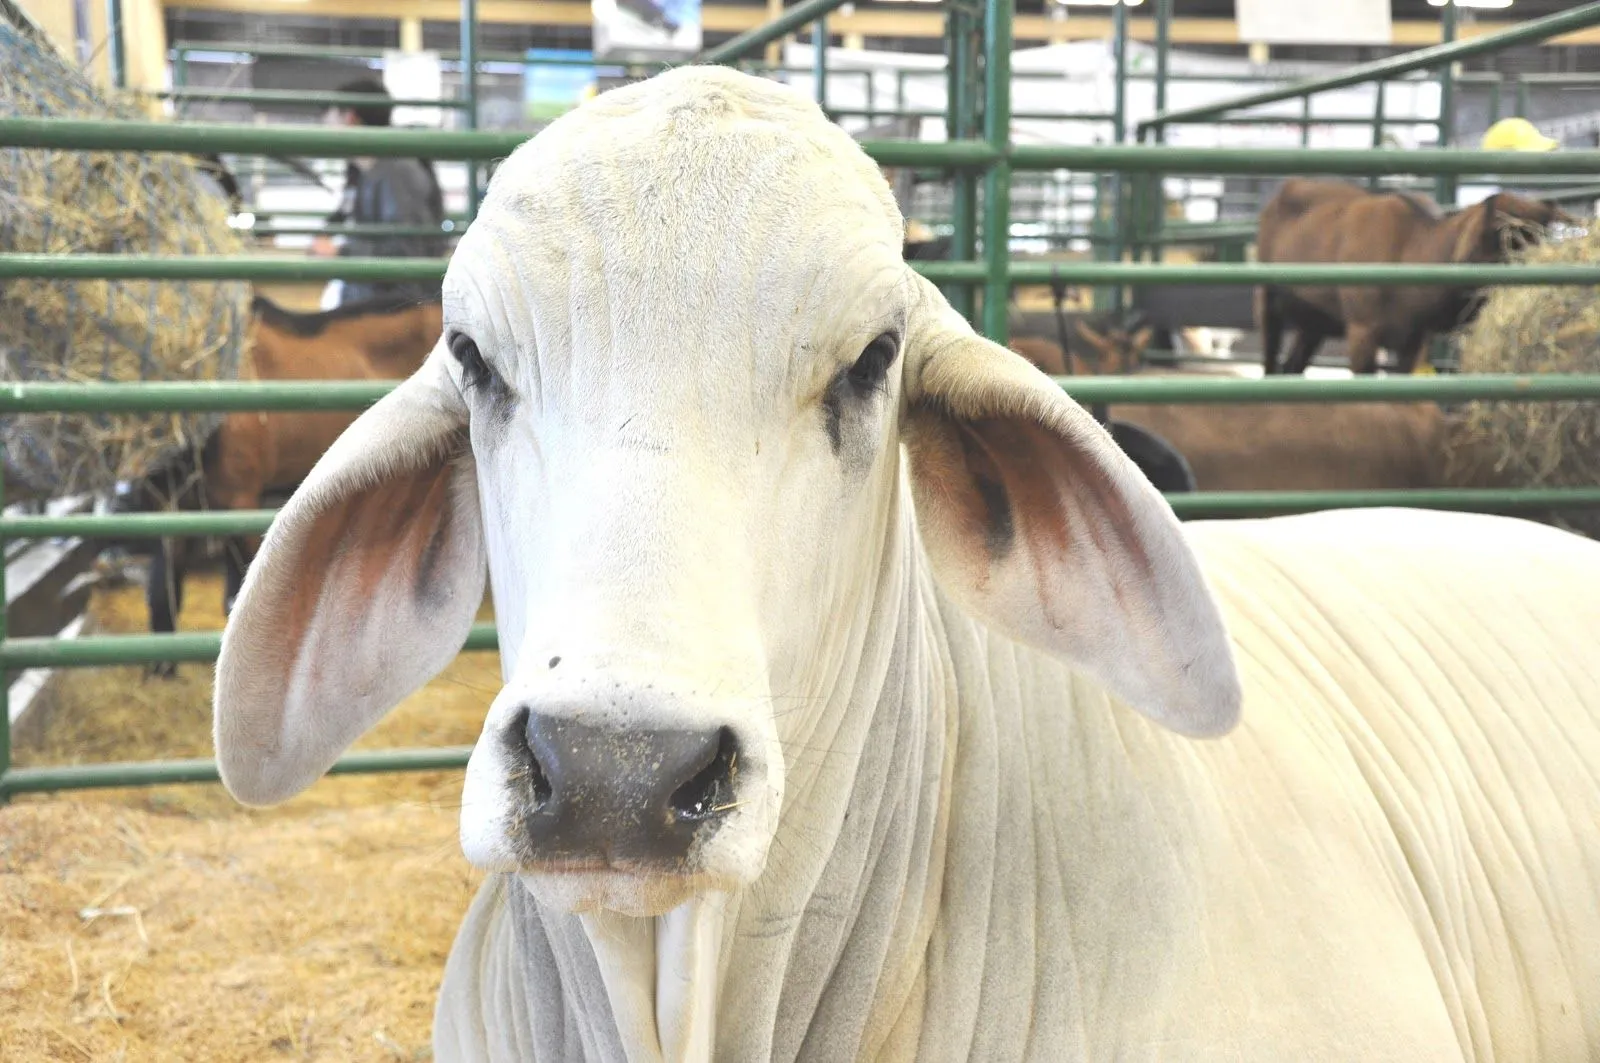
point(699, 216)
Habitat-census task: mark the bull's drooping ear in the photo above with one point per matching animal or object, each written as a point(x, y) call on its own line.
point(1037, 523)
point(364, 589)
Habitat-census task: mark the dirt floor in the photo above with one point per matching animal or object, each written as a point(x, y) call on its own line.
point(172, 924)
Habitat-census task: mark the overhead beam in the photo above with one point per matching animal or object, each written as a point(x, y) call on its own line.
point(717, 18)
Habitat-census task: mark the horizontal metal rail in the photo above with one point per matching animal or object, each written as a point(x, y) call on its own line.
point(1294, 273)
point(290, 98)
point(174, 396)
point(940, 112)
point(185, 396)
point(74, 134)
point(1213, 504)
point(1199, 504)
point(1158, 158)
point(1020, 271)
point(1537, 29)
point(98, 651)
point(1202, 232)
point(218, 267)
point(449, 228)
point(164, 772)
point(138, 525)
point(92, 134)
point(1474, 387)
point(1302, 120)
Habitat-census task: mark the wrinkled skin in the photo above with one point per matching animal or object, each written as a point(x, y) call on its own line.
point(994, 798)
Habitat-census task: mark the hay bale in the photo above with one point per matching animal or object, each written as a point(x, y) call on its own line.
point(1534, 330)
point(59, 202)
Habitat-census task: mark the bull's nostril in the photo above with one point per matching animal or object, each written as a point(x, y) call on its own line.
point(710, 792)
point(523, 749)
point(538, 783)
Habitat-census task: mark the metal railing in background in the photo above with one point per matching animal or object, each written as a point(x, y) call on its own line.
point(978, 112)
point(109, 650)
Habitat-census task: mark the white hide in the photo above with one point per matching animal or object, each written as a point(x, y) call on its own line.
point(965, 647)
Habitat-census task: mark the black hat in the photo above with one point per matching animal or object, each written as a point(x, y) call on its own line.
point(374, 113)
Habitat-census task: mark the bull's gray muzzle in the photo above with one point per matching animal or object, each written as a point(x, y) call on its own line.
point(598, 798)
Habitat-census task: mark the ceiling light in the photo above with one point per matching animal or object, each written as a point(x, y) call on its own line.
point(1496, 4)
point(1098, 3)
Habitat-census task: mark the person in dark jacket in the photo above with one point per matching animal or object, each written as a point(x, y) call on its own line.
point(384, 191)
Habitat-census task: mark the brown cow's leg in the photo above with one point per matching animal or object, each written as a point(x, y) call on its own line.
point(1363, 348)
point(1306, 344)
point(236, 478)
point(1271, 322)
point(1412, 354)
point(164, 596)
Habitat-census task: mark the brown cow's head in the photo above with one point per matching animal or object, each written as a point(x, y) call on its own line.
point(1118, 349)
point(1505, 224)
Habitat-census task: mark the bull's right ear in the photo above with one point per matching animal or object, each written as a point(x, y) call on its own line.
point(365, 587)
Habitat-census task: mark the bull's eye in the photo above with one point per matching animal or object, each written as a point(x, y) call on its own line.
point(872, 367)
point(475, 372)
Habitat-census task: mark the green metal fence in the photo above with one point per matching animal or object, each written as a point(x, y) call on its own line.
point(979, 117)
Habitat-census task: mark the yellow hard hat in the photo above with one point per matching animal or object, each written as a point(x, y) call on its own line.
point(1516, 134)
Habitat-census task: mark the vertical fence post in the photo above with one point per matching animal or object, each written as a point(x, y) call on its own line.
point(116, 52)
point(1496, 90)
point(180, 67)
point(819, 62)
point(1378, 107)
point(1444, 186)
point(1157, 180)
point(469, 93)
point(1305, 120)
point(1522, 99)
point(1119, 124)
point(997, 180)
point(960, 122)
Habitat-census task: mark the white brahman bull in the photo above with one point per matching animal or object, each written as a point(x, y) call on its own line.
point(853, 678)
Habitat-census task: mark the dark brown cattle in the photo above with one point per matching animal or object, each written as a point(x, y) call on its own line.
point(1113, 348)
point(1100, 346)
point(253, 453)
point(1301, 446)
point(1335, 222)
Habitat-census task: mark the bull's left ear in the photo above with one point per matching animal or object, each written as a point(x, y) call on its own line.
point(1039, 524)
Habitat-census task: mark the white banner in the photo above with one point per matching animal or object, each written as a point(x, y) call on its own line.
point(646, 29)
point(1314, 21)
point(414, 76)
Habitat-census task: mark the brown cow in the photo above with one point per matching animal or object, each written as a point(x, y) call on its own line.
point(1301, 446)
point(1116, 349)
point(251, 453)
point(1104, 348)
point(1331, 221)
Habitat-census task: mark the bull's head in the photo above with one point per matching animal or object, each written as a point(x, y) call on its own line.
point(687, 400)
